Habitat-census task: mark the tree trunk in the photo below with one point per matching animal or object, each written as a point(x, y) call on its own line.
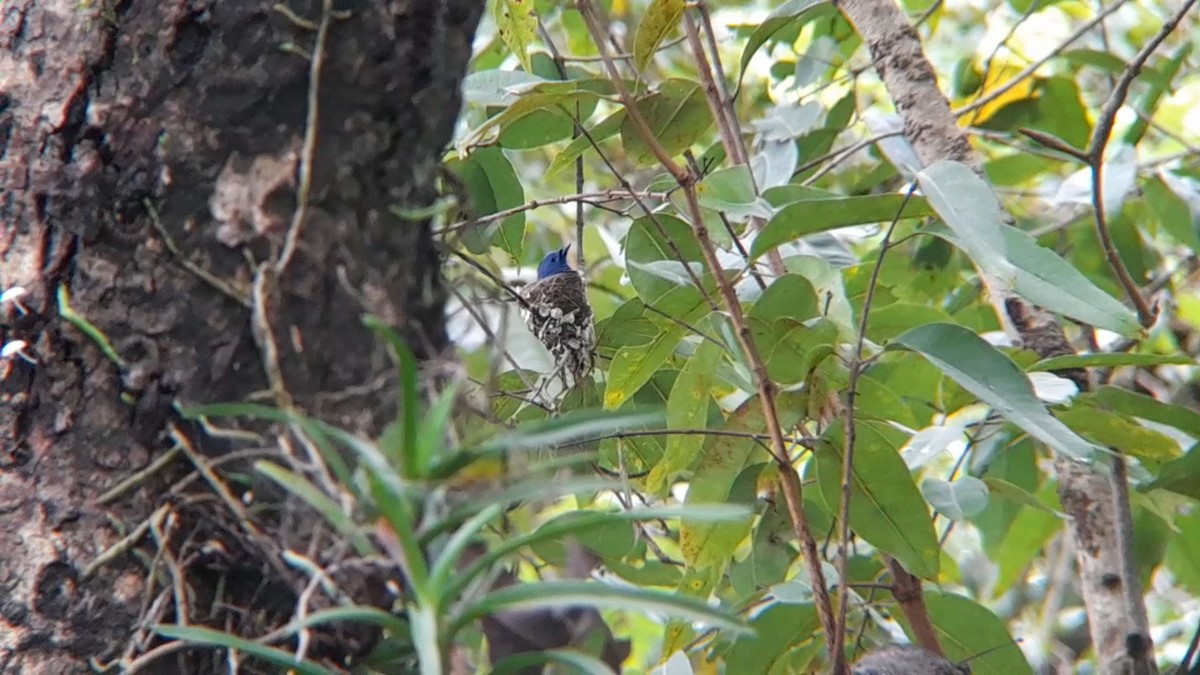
point(154, 156)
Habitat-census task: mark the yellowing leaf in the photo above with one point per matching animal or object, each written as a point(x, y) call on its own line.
point(517, 25)
point(998, 76)
point(661, 17)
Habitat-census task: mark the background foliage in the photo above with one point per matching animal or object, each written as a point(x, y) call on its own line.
point(880, 310)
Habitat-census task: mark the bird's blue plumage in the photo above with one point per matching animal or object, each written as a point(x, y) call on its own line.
point(555, 262)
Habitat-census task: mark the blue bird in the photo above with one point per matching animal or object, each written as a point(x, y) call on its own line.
point(557, 312)
point(555, 262)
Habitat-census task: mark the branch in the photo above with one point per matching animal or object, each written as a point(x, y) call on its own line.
point(791, 488)
point(1095, 154)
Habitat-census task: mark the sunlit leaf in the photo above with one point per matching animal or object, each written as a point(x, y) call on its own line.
point(967, 205)
point(1113, 430)
point(725, 459)
point(687, 409)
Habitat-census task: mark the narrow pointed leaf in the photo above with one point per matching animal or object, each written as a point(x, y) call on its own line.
point(576, 593)
point(819, 214)
point(886, 509)
point(214, 638)
point(986, 372)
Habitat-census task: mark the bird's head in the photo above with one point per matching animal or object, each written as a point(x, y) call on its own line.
point(555, 262)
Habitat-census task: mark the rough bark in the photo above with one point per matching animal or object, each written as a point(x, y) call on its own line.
point(1120, 638)
point(112, 111)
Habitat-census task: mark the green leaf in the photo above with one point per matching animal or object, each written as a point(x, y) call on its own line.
point(1148, 102)
point(687, 408)
point(497, 87)
point(957, 500)
point(967, 629)
point(886, 509)
point(633, 366)
point(1113, 430)
point(987, 373)
point(1174, 215)
point(1183, 552)
point(574, 660)
point(724, 460)
point(610, 537)
point(493, 186)
point(213, 638)
point(552, 94)
point(887, 322)
point(1045, 279)
point(731, 191)
point(776, 629)
point(820, 214)
point(333, 512)
point(1029, 532)
point(969, 207)
point(661, 17)
point(1181, 476)
point(1006, 490)
point(777, 19)
point(799, 348)
point(516, 24)
point(1109, 361)
point(573, 428)
point(677, 115)
point(575, 593)
point(1147, 408)
point(603, 130)
point(656, 249)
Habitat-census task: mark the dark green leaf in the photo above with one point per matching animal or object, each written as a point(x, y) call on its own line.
point(967, 629)
point(886, 509)
point(493, 186)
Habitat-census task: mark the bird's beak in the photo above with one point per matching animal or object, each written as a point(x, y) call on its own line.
point(565, 249)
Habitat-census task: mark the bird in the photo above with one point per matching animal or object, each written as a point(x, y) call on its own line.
point(556, 311)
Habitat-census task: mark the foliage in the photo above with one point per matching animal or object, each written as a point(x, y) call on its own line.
point(857, 273)
point(829, 261)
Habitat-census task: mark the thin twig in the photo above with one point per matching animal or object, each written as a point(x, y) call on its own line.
point(309, 150)
point(1033, 67)
point(1095, 154)
point(590, 198)
point(837, 652)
